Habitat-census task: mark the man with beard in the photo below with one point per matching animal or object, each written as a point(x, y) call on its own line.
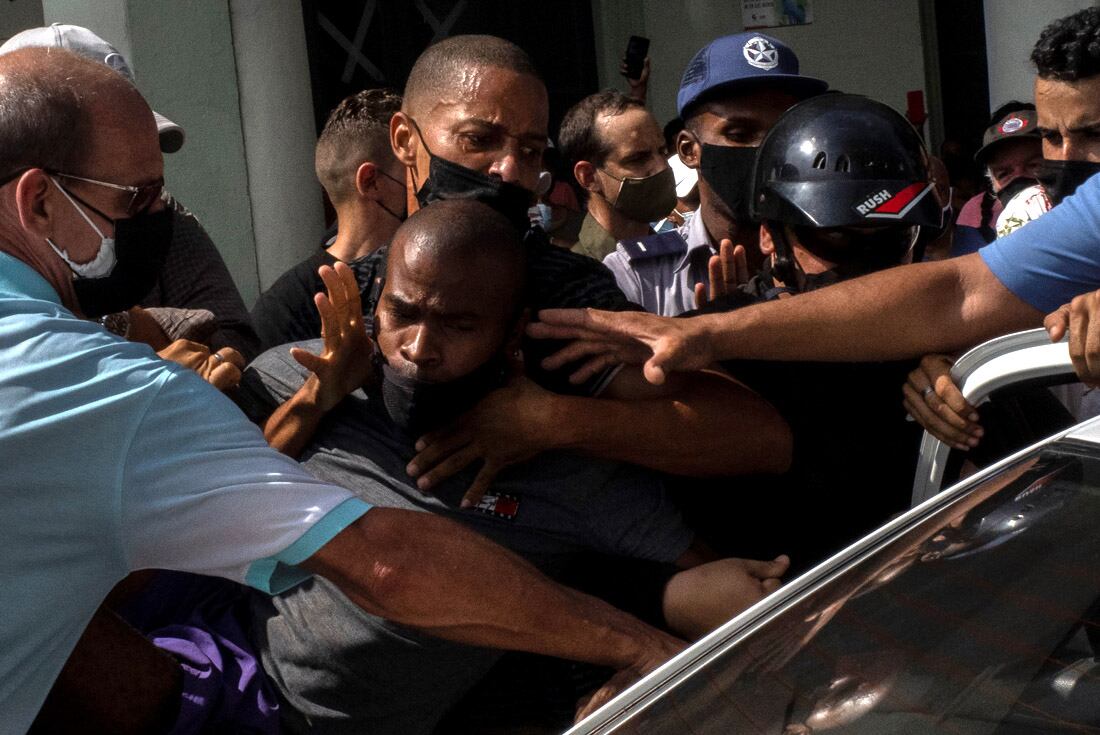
point(731, 94)
point(353, 416)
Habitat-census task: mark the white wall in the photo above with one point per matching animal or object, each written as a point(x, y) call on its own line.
point(1011, 29)
point(871, 47)
point(276, 108)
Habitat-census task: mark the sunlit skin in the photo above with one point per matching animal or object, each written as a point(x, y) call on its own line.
point(636, 149)
point(494, 122)
point(430, 324)
point(1069, 118)
point(737, 120)
point(124, 149)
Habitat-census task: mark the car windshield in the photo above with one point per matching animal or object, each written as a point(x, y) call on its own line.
point(983, 618)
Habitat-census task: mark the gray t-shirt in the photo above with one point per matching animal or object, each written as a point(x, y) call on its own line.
point(344, 670)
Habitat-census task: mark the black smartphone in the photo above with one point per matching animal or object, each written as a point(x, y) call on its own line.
point(637, 48)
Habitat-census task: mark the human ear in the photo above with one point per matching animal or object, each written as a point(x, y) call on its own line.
point(585, 173)
point(687, 148)
point(32, 204)
point(404, 143)
point(767, 245)
point(366, 177)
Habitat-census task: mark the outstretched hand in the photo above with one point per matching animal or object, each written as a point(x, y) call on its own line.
point(344, 363)
point(604, 339)
point(726, 271)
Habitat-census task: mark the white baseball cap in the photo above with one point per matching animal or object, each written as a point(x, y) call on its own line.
point(81, 41)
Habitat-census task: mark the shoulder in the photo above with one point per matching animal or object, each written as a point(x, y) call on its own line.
point(560, 278)
point(653, 247)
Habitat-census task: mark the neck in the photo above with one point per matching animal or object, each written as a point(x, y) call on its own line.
point(613, 220)
point(360, 233)
point(720, 225)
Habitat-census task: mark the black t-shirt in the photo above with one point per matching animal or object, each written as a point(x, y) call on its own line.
point(853, 462)
point(286, 313)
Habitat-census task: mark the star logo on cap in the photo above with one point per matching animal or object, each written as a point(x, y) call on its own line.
point(761, 53)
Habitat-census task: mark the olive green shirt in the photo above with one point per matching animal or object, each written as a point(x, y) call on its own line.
point(594, 241)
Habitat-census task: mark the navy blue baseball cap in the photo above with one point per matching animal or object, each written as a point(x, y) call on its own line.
point(743, 60)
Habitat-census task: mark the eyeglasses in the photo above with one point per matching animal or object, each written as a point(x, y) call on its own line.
point(141, 197)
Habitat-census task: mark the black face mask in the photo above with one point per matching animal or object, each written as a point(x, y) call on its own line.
point(1061, 178)
point(728, 171)
point(141, 245)
point(419, 407)
point(1014, 187)
point(449, 180)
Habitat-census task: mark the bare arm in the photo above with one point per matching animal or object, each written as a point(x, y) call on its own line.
point(342, 366)
point(898, 313)
point(702, 424)
point(430, 573)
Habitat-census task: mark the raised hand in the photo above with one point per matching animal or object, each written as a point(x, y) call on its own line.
point(727, 270)
point(344, 363)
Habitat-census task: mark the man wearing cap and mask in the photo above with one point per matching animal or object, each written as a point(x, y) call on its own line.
point(1011, 155)
point(194, 297)
point(618, 156)
point(732, 92)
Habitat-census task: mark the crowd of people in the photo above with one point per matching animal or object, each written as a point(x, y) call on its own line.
point(540, 395)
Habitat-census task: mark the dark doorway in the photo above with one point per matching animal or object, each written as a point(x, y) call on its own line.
point(373, 43)
point(964, 87)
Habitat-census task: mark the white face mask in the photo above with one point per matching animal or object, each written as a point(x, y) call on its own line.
point(104, 261)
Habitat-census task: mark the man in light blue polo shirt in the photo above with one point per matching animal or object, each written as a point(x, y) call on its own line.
point(115, 461)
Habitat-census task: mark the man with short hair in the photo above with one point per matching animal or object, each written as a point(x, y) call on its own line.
point(194, 297)
point(942, 306)
point(618, 158)
point(352, 408)
point(484, 141)
point(366, 186)
point(126, 462)
point(732, 92)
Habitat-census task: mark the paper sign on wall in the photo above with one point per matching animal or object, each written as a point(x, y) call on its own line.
point(772, 13)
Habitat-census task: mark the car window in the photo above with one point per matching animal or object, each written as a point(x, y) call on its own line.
point(983, 618)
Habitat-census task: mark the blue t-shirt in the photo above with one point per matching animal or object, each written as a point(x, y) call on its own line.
point(1054, 258)
point(114, 460)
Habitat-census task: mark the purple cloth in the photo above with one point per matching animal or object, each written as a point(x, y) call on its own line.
point(201, 622)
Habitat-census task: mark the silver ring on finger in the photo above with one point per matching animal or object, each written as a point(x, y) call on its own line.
point(927, 392)
point(218, 356)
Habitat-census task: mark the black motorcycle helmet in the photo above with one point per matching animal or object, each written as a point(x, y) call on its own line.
point(838, 164)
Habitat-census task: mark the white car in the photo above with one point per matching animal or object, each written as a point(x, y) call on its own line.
point(976, 613)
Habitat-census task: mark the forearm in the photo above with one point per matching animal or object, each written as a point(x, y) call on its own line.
point(895, 314)
point(430, 573)
point(294, 423)
point(704, 425)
